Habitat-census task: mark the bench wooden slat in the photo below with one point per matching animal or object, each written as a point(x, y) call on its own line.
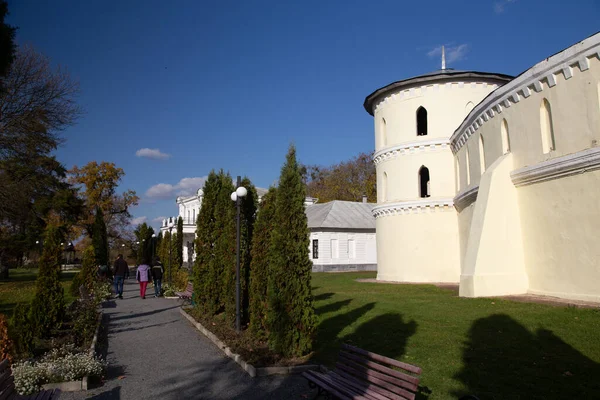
point(345, 389)
point(8, 391)
point(391, 379)
point(322, 384)
point(4, 379)
point(398, 394)
point(373, 391)
point(381, 368)
point(401, 388)
point(377, 357)
point(4, 365)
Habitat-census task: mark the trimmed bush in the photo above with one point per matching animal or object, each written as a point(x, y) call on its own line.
point(23, 329)
point(291, 318)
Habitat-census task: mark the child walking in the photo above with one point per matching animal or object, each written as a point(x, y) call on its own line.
point(143, 276)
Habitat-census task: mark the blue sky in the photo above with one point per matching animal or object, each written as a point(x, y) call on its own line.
point(230, 84)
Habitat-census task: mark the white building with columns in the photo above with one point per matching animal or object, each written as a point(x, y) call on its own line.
point(492, 182)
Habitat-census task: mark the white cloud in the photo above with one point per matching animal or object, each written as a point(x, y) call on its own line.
point(159, 219)
point(154, 154)
point(138, 220)
point(500, 5)
point(185, 187)
point(453, 53)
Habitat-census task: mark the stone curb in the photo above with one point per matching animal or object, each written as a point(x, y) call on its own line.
point(170, 297)
point(248, 368)
point(76, 386)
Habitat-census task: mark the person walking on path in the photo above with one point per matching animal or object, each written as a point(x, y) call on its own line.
point(121, 271)
point(143, 276)
point(157, 274)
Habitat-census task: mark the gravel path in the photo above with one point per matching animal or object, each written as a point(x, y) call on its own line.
point(154, 353)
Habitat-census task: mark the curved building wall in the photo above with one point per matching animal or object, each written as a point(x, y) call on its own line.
point(417, 229)
point(540, 135)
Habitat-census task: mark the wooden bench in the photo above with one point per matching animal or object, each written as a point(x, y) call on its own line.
point(187, 293)
point(8, 391)
point(360, 374)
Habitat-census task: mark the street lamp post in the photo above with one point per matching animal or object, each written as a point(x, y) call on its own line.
point(153, 240)
point(236, 196)
point(170, 248)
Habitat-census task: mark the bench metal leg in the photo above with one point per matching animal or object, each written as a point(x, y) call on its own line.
point(320, 390)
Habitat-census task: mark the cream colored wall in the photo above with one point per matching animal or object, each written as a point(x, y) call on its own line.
point(465, 218)
point(446, 106)
point(418, 247)
point(403, 175)
point(559, 217)
point(560, 220)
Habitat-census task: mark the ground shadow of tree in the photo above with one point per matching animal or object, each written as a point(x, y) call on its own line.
point(503, 360)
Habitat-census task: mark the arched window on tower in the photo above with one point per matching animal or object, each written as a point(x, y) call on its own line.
point(421, 121)
point(505, 137)
point(424, 190)
point(481, 155)
point(383, 132)
point(384, 195)
point(547, 127)
point(467, 165)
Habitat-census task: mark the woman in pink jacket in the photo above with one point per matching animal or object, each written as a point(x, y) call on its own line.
point(143, 277)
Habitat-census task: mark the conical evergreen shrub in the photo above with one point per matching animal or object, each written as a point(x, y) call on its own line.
point(100, 238)
point(261, 241)
point(205, 242)
point(48, 305)
point(179, 244)
point(223, 271)
point(291, 319)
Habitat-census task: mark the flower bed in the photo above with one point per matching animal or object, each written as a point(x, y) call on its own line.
point(63, 364)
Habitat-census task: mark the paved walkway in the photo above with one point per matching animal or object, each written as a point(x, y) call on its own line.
point(154, 353)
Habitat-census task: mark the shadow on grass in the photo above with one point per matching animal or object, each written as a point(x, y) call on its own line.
point(323, 296)
point(332, 307)
point(503, 360)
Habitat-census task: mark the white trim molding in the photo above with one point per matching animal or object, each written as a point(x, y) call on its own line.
point(559, 167)
point(410, 148)
point(413, 207)
point(465, 198)
point(537, 78)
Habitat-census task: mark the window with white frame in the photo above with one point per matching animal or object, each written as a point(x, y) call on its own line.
point(335, 248)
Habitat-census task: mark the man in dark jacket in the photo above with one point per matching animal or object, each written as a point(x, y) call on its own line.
point(157, 274)
point(121, 271)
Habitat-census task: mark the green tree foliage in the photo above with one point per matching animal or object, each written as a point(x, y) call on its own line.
point(223, 269)
point(37, 102)
point(348, 180)
point(259, 265)
point(291, 319)
point(204, 286)
point(23, 329)
point(100, 239)
point(87, 275)
point(48, 305)
point(163, 251)
point(143, 234)
point(179, 243)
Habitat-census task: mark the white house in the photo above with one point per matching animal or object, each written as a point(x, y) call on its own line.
point(342, 236)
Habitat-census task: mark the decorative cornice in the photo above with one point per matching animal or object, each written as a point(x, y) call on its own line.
point(410, 148)
point(536, 79)
point(466, 198)
point(559, 167)
point(412, 207)
point(419, 91)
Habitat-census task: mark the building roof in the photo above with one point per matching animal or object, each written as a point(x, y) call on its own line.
point(341, 215)
point(447, 74)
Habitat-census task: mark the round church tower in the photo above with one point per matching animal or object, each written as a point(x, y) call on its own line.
point(416, 223)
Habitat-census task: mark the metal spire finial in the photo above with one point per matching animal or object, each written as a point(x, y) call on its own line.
point(443, 58)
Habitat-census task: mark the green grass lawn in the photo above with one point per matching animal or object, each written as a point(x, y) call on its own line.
point(496, 349)
point(20, 287)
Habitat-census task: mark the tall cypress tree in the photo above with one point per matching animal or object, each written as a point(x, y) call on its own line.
point(179, 243)
point(224, 267)
point(100, 238)
point(291, 319)
point(48, 305)
point(205, 242)
point(261, 241)
point(247, 220)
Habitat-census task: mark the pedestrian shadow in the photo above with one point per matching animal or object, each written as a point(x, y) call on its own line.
point(504, 360)
point(221, 378)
